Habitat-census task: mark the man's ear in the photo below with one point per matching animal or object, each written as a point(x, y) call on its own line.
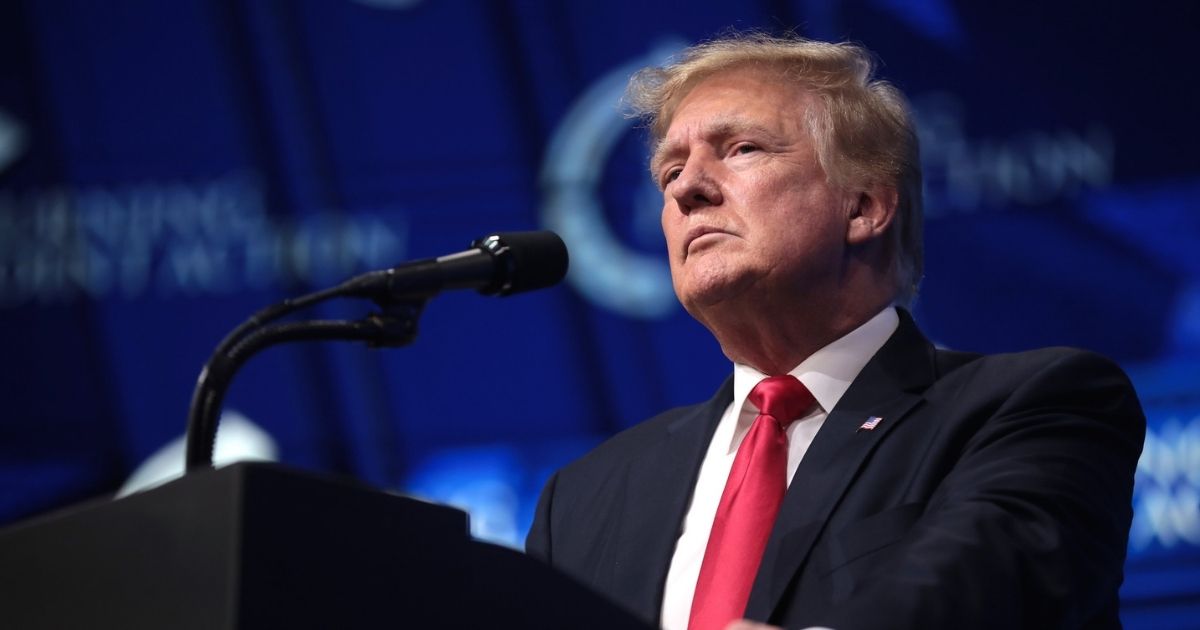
point(871, 214)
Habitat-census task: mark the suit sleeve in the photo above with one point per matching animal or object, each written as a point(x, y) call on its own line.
point(1029, 527)
point(537, 542)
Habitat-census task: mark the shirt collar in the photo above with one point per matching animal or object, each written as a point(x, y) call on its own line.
point(828, 372)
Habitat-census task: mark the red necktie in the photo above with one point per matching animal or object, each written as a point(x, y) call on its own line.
point(748, 506)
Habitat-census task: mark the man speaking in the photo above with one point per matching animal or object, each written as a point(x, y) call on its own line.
point(848, 474)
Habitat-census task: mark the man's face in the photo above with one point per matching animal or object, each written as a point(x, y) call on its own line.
point(747, 212)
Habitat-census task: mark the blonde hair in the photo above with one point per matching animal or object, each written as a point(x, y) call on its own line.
point(863, 133)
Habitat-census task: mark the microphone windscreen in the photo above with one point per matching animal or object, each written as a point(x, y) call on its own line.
point(526, 261)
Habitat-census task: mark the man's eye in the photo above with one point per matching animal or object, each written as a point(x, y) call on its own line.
point(743, 149)
point(671, 175)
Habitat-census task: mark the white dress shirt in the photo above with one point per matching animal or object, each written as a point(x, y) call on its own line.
point(827, 374)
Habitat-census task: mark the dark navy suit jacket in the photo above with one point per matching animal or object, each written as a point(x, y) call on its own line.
point(995, 493)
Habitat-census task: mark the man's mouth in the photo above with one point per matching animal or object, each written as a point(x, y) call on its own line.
point(701, 236)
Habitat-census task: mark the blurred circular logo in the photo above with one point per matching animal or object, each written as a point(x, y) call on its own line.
point(606, 271)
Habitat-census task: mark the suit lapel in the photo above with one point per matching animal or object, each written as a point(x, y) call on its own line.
point(664, 477)
point(888, 387)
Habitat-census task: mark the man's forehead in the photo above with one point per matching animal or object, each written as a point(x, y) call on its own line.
point(720, 125)
point(733, 97)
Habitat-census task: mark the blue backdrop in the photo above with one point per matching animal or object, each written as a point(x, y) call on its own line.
point(166, 168)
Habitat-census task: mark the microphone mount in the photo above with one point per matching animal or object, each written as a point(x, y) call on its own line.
point(499, 264)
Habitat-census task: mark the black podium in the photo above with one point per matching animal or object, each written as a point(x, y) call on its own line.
point(262, 546)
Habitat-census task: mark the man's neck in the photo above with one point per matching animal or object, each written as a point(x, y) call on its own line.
point(775, 341)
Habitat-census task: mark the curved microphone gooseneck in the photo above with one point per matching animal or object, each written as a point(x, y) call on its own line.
point(499, 264)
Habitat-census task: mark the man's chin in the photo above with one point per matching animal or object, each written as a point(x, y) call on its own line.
point(711, 296)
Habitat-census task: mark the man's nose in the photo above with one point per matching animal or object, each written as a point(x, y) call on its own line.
point(695, 187)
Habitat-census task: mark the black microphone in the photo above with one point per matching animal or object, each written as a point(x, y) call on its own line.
point(498, 264)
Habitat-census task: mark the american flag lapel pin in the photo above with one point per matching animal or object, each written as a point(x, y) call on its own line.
point(870, 424)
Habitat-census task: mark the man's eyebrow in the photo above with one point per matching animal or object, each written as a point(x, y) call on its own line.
point(714, 131)
point(662, 150)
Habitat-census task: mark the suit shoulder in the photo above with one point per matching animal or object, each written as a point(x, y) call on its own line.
point(1046, 361)
point(1054, 377)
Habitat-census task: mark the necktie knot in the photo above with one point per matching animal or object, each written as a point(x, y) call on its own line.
point(782, 397)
